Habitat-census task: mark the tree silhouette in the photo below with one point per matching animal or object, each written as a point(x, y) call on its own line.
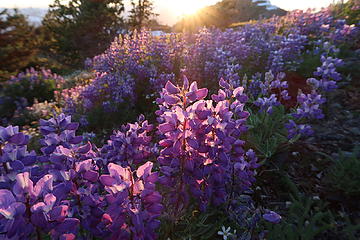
point(18, 43)
point(141, 13)
point(82, 28)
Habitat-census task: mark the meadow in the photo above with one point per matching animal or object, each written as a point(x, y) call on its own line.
point(249, 132)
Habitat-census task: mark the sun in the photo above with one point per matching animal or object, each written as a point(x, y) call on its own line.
point(188, 7)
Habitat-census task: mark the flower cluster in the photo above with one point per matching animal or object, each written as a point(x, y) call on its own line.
point(131, 145)
point(14, 156)
point(130, 61)
point(327, 74)
point(35, 77)
point(62, 191)
point(298, 129)
point(70, 99)
point(133, 203)
point(268, 92)
point(26, 88)
point(309, 106)
point(193, 158)
point(74, 190)
point(59, 131)
point(201, 153)
point(215, 54)
point(277, 45)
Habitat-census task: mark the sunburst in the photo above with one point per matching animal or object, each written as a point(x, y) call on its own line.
point(188, 7)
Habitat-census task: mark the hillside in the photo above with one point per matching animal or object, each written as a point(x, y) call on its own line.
point(226, 12)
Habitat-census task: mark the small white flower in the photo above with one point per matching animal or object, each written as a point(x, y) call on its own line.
point(295, 153)
point(225, 232)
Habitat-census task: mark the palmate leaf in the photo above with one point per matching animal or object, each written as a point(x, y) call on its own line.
point(267, 132)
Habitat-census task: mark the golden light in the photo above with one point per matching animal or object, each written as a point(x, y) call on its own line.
point(188, 7)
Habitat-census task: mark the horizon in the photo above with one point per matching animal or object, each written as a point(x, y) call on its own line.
point(171, 11)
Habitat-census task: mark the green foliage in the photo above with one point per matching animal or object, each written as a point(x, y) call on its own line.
point(18, 43)
point(351, 66)
point(25, 90)
point(350, 230)
point(78, 78)
point(267, 132)
point(35, 136)
point(98, 118)
point(82, 28)
point(344, 175)
point(194, 225)
point(308, 66)
point(305, 220)
point(44, 90)
point(31, 115)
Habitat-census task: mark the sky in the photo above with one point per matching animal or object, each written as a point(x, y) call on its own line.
point(172, 10)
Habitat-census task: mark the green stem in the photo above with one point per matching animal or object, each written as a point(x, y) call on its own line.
point(38, 234)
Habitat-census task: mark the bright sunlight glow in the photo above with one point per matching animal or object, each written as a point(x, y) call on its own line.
point(188, 7)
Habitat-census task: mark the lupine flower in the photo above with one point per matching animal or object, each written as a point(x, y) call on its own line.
point(133, 202)
point(277, 45)
point(272, 217)
point(14, 157)
point(11, 218)
point(199, 154)
point(267, 104)
point(298, 129)
point(131, 145)
point(200, 146)
point(328, 74)
point(309, 106)
point(59, 131)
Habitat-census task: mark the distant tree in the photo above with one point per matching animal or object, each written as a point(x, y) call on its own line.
point(18, 43)
point(82, 28)
point(141, 13)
